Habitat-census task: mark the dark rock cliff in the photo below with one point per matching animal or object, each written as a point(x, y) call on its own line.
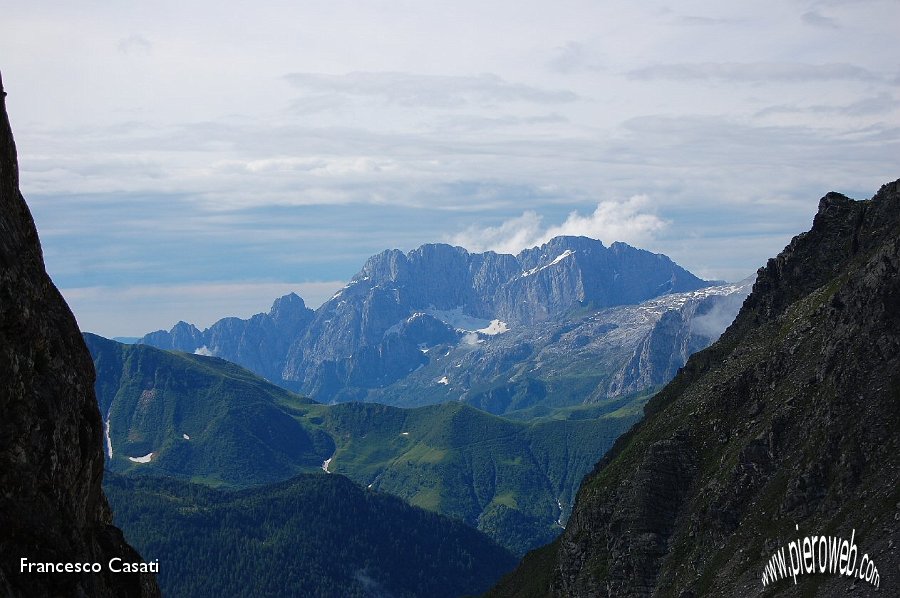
point(785, 428)
point(52, 508)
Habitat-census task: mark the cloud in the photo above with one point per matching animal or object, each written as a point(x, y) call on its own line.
point(370, 585)
point(134, 44)
point(707, 21)
point(314, 165)
point(223, 180)
point(845, 2)
point(881, 103)
point(631, 221)
point(408, 89)
point(817, 19)
point(755, 72)
point(470, 339)
point(720, 316)
point(572, 57)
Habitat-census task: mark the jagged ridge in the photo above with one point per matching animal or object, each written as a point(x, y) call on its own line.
point(495, 325)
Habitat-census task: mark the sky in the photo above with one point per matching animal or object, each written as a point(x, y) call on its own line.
point(196, 160)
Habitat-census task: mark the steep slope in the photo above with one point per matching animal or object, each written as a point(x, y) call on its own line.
point(52, 508)
point(583, 357)
point(313, 535)
point(204, 419)
point(783, 429)
point(203, 415)
point(515, 481)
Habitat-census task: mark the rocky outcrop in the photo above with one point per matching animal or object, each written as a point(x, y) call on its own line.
point(785, 428)
point(52, 508)
point(675, 336)
point(259, 343)
point(569, 271)
point(356, 343)
point(496, 327)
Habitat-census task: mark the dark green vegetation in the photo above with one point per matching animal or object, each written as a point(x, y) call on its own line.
point(791, 419)
point(238, 426)
point(513, 480)
point(312, 535)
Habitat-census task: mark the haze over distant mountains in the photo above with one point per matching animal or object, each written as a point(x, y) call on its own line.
point(569, 322)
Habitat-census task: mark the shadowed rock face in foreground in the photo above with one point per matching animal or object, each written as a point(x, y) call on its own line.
point(52, 508)
point(785, 428)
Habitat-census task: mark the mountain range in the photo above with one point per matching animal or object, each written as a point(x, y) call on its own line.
point(567, 323)
point(784, 428)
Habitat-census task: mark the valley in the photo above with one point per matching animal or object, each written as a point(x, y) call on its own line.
point(514, 480)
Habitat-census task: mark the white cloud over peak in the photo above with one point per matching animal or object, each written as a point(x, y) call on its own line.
point(632, 221)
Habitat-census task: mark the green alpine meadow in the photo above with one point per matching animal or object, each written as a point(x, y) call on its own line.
point(207, 421)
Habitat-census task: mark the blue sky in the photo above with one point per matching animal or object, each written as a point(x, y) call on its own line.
point(196, 160)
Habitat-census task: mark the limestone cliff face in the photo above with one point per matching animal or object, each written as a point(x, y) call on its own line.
point(52, 508)
point(355, 345)
point(785, 428)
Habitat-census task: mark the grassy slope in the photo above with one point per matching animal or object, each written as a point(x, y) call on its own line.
point(238, 425)
point(508, 478)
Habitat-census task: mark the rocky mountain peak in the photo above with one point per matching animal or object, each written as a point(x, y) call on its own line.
point(287, 306)
point(378, 328)
point(385, 266)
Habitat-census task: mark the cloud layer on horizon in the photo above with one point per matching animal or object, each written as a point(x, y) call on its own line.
point(191, 143)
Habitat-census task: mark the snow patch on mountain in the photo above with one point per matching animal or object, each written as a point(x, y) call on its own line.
point(672, 301)
point(145, 459)
point(109, 450)
point(555, 261)
point(495, 327)
point(457, 319)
